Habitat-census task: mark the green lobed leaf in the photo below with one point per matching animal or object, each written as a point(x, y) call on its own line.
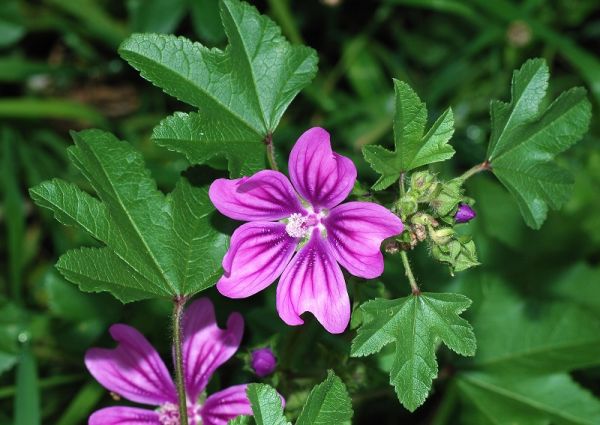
point(156, 245)
point(414, 324)
point(327, 403)
point(529, 400)
point(413, 148)
point(266, 404)
point(242, 91)
point(527, 136)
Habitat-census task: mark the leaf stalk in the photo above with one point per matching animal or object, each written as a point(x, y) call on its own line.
point(409, 274)
point(178, 305)
point(484, 166)
point(271, 152)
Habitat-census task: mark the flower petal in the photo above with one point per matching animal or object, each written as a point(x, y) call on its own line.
point(313, 282)
point(355, 231)
point(133, 370)
point(267, 195)
point(258, 254)
point(320, 175)
point(223, 406)
point(205, 345)
point(124, 416)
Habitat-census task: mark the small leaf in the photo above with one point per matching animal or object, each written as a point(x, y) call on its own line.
point(526, 137)
point(156, 245)
point(266, 405)
point(414, 323)
point(242, 91)
point(522, 399)
point(414, 148)
point(327, 403)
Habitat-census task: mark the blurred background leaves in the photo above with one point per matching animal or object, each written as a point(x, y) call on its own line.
point(59, 70)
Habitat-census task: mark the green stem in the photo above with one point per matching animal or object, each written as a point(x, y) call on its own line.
point(401, 184)
point(178, 304)
point(409, 274)
point(484, 166)
point(271, 152)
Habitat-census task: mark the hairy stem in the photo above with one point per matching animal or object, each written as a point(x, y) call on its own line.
point(409, 274)
point(401, 184)
point(271, 152)
point(178, 304)
point(484, 166)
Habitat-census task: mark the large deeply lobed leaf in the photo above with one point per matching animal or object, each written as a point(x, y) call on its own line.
point(242, 91)
point(413, 147)
point(526, 137)
point(414, 324)
point(156, 245)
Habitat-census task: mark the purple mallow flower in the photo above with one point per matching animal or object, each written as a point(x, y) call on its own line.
point(135, 371)
point(263, 361)
point(464, 214)
point(303, 216)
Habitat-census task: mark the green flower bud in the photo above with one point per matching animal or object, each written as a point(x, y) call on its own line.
point(424, 184)
point(407, 205)
point(448, 197)
point(423, 219)
point(441, 236)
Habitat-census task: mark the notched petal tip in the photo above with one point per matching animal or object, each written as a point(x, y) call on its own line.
point(267, 195)
point(148, 380)
point(323, 177)
point(313, 282)
point(205, 345)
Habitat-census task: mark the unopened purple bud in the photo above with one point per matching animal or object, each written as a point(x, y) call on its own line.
point(263, 361)
point(464, 214)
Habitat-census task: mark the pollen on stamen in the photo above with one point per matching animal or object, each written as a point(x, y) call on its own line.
point(296, 226)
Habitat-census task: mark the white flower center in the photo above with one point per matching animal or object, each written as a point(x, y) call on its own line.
point(168, 414)
point(297, 226)
point(300, 226)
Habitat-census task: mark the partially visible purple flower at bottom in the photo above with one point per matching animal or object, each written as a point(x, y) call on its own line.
point(464, 214)
point(135, 371)
point(263, 362)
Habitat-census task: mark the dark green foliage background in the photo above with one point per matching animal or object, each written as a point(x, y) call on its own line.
point(59, 70)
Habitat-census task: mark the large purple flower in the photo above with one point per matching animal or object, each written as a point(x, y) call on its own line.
point(303, 215)
point(135, 371)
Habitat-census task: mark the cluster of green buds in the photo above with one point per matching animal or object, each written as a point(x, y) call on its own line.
point(431, 208)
